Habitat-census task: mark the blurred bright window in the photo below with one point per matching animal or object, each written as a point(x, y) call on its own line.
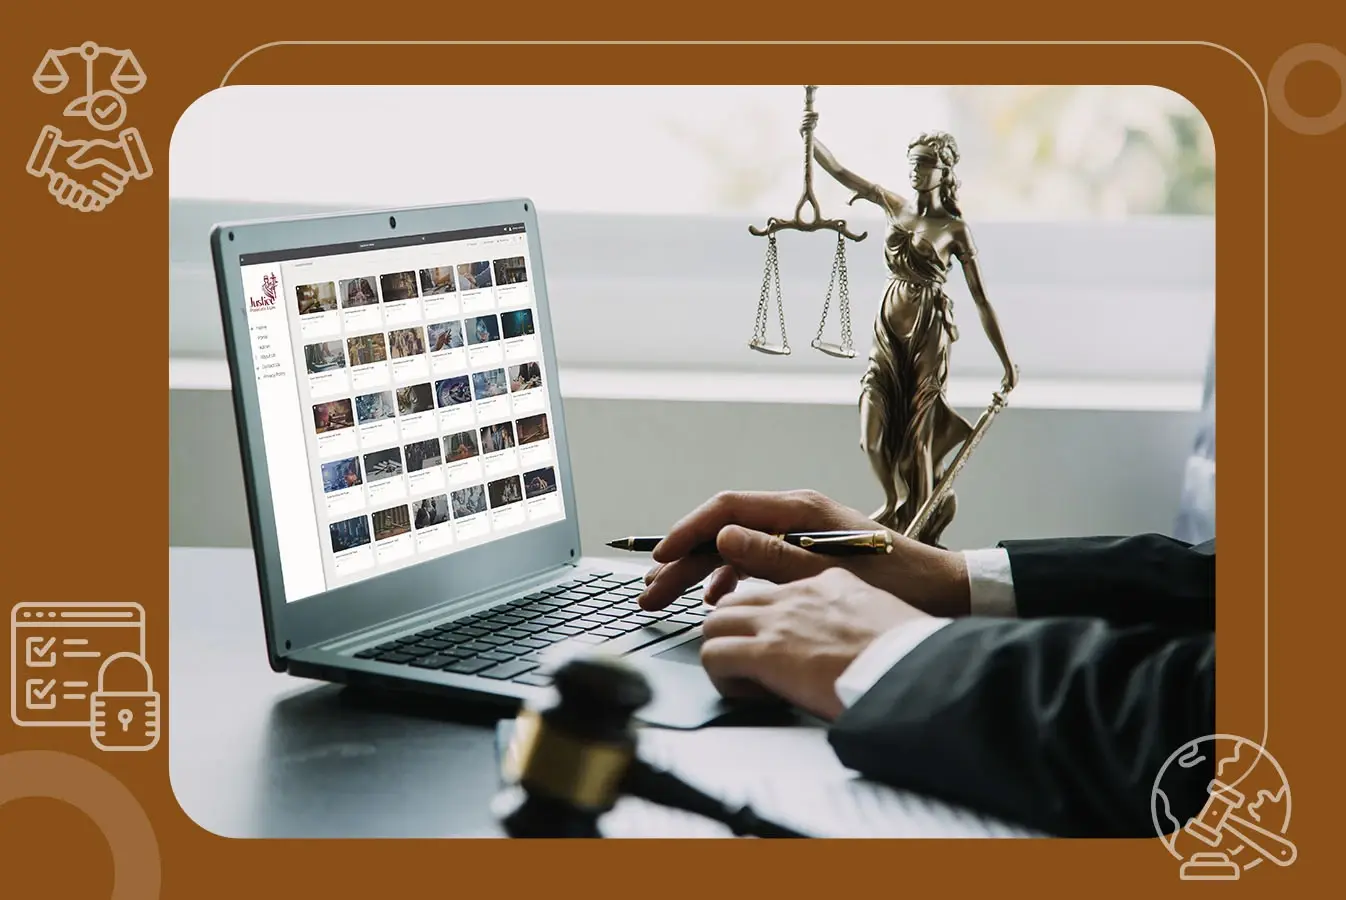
point(1092, 206)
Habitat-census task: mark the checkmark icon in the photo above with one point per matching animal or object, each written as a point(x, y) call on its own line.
point(41, 652)
point(105, 112)
point(40, 694)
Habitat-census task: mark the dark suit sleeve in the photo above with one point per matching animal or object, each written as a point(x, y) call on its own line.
point(1147, 578)
point(1059, 724)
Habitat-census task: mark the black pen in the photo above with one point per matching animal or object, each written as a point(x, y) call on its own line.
point(828, 543)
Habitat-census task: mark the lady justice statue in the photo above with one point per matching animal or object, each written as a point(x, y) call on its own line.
point(907, 425)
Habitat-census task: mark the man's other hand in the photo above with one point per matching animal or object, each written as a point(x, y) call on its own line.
point(741, 524)
point(795, 640)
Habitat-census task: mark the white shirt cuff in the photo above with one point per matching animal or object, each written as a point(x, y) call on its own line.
point(884, 652)
point(991, 588)
point(990, 583)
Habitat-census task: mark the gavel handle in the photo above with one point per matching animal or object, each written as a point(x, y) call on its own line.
point(657, 786)
point(1272, 846)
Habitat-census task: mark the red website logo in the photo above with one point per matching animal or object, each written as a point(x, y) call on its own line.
point(268, 298)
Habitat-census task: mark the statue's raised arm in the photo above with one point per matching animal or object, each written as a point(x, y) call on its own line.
point(862, 188)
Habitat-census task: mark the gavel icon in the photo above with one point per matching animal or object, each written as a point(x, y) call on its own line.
point(569, 761)
point(1218, 817)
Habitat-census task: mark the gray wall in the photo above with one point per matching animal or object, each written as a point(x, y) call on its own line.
point(639, 465)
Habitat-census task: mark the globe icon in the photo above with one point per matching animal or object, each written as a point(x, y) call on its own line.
point(1221, 804)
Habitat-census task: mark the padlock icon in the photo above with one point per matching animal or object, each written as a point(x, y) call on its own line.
point(125, 720)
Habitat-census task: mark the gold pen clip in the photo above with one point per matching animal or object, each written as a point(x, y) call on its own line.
point(877, 539)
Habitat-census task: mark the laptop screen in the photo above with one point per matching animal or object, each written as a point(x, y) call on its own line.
point(404, 408)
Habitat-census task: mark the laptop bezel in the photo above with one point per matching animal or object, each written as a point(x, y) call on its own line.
point(446, 580)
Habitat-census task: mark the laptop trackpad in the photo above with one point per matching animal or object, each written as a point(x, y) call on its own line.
point(684, 696)
point(688, 652)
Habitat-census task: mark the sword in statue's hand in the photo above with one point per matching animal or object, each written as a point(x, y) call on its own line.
point(998, 402)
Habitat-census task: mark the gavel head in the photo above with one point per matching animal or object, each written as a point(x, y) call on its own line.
point(1221, 801)
point(568, 755)
point(596, 697)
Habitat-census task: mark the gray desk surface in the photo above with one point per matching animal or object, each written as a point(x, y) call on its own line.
point(257, 754)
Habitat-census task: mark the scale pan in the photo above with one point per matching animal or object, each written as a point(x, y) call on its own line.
point(773, 349)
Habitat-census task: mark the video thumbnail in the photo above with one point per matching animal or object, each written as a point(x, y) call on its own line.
point(406, 342)
point(383, 464)
point(489, 384)
point(431, 511)
point(505, 491)
point(460, 446)
point(423, 455)
point(469, 501)
point(349, 533)
point(495, 438)
point(437, 281)
point(415, 398)
point(472, 276)
point(316, 298)
point(398, 286)
point(366, 349)
point(510, 271)
point(332, 416)
point(525, 377)
point(452, 391)
point(374, 407)
point(340, 474)
point(445, 336)
point(533, 429)
point(391, 522)
point(482, 329)
point(325, 356)
point(517, 323)
point(539, 482)
point(359, 291)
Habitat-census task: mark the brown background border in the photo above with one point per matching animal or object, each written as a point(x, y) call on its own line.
point(87, 320)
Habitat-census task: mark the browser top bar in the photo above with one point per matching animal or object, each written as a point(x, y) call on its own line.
point(405, 240)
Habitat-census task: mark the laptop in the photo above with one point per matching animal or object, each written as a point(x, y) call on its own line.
point(406, 467)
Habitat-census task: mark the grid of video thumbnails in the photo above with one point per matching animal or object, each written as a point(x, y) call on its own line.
point(429, 414)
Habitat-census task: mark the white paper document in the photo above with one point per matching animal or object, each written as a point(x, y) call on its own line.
point(790, 776)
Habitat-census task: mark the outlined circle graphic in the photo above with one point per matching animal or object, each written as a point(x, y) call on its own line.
point(1280, 73)
point(136, 872)
point(1242, 768)
point(106, 110)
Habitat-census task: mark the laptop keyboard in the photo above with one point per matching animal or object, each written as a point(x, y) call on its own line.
point(506, 641)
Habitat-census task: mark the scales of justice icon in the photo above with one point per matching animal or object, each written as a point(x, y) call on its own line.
point(907, 425)
point(105, 109)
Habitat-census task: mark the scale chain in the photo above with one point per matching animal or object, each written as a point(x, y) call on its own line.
point(844, 298)
point(770, 279)
point(841, 281)
point(759, 326)
point(780, 306)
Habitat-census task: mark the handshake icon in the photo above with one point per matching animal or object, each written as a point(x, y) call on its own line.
point(94, 172)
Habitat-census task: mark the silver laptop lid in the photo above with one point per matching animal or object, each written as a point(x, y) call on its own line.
point(402, 437)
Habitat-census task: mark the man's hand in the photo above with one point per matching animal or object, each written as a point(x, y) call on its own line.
point(795, 640)
point(741, 524)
